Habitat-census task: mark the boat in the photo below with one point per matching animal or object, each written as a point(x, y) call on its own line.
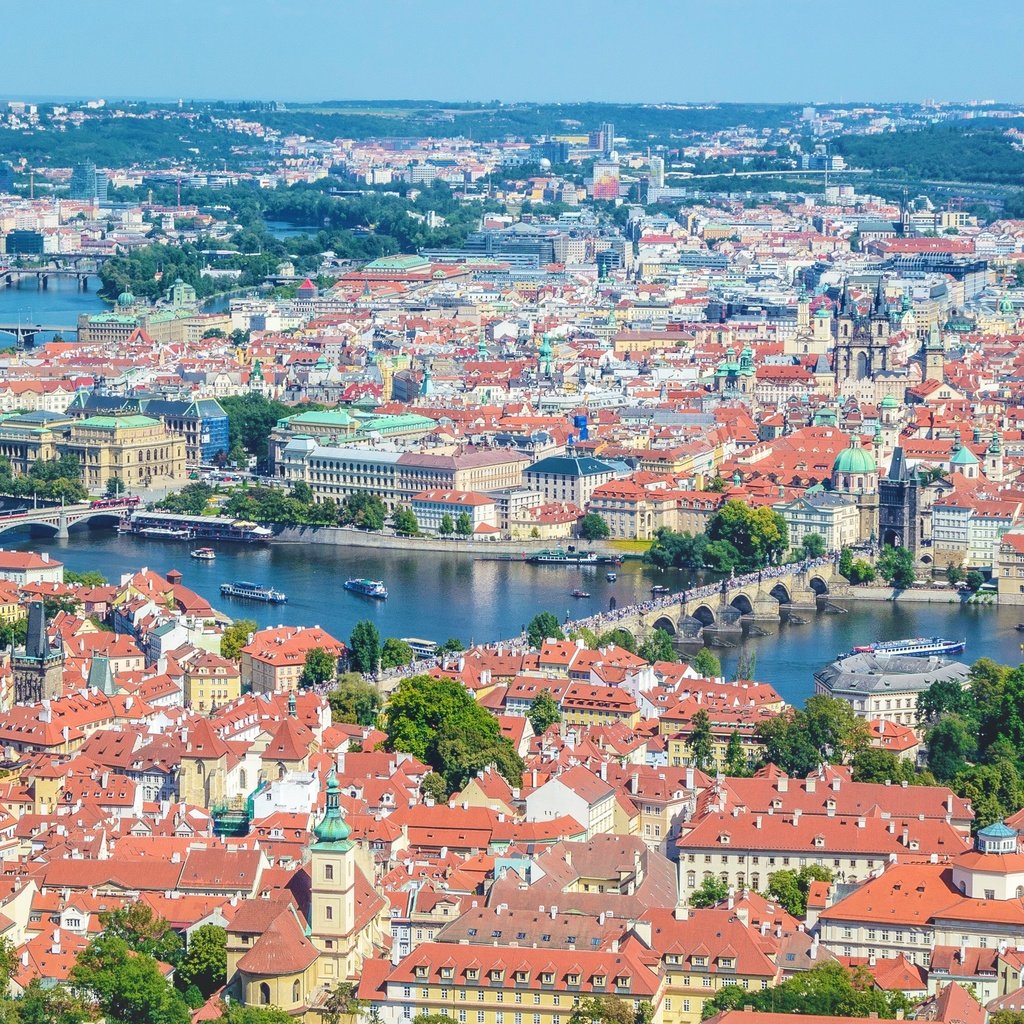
point(660, 588)
point(420, 647)
point(915, 647)
point(580, 593)
point(203, 554)
point(165, 532)
point(253, 592)
point(611, 577)
point(1020, 627)
point(368, 588)
point(562, 556)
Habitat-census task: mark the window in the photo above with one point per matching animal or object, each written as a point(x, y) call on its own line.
point(296, 991)
point(264, 994)
point(707, 980)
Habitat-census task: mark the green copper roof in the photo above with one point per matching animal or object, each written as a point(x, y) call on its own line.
point(964, 457)
point(113, 422)
point(889, 402)
point(332, 828)
point(854, 460)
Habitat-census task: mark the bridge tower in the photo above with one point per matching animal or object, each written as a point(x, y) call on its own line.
point(38, 667)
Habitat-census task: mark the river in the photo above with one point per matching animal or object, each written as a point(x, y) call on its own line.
point(436, 596)
point(60, 302)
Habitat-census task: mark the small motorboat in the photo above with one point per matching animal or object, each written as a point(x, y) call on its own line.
point(1020, 627)
point(580, 593)
point(611, 577)
point(204, 554)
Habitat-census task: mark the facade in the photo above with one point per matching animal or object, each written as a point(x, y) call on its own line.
point(273, 659)
point(430, 507)
point(139, 450)
point(568, 477)
point(898, 505)
point(211, 681)
point(22, 567)
point(834, 517)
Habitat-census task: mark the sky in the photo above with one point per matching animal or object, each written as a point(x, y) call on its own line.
point(542, 50)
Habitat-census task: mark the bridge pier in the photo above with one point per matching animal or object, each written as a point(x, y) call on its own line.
point(766, 609)
point(804, 599)
point(62, 527)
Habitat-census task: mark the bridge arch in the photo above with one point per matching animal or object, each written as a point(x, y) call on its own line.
point(742, 604)
point(665, 623)
point(704, 614)
point(818, 584)
point(781, 593)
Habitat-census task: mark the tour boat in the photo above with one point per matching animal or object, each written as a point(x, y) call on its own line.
point(660, 588)
point(166, 532)
point(203, 554)
point(611, 577)
point(368, 588)
point(916, 647)
point(253, 592)
point(580, 593)
point(561, 556)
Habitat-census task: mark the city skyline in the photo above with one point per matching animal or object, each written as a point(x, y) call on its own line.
point(798, 51)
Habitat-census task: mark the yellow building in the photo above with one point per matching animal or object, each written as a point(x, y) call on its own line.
point(137, 449)
point(211, 681)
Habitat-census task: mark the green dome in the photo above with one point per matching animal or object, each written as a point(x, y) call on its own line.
point(126, 298)
point(889, 402)
point(855, 460)
point(332, 828)
point(822, 313)
point(964, 457)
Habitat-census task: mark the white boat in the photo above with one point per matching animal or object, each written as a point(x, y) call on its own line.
point(253, 592)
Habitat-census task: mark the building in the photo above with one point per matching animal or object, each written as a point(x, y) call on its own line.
point(38, 667)
point(23, 567)
point(211, 681)
point(898, 504)
point(430, 508)
point(833, 517)
point(139, 450)
point(572, 478)
point(88, 184)
point(886, 687)
point(273, 659)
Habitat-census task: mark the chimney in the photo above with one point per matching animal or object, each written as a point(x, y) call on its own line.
point(757, 821)
point(743, 916)
point(782, 783)
point(835, 783)
point(905, 837)
point(55, 948)
point(860, 823)
point(689, 778)
point(634, 783)
point(796, 816)
point(554, 912)
point(812, 785)
point(603, 771)
point(949, 803)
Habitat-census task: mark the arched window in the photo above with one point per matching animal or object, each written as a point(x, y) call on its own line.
point(264, 993)
point(296, 991)
point(241, 778)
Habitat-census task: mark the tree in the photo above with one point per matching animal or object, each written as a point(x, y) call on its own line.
point(366, 511)
point(543, 713)
point(709, 893)
point(364, 647)
point(115, 487)
point(90, 578)
point(700, 741)
point(128, 986)
point(354, 700)
point(395, 653)
point(12, 634)
point(897, 567)
point(994, 790)
point(446, 527)
point(143, 931)
point(759, 535)
point(845, 562)
point(235, 637)
point(951, 743)
point(603, 1010)
point(707, 664)
point(593, 527)
point(191, 500)
point(944, 697)
point(301, 491)
point(735, 758)
point(790, 888)
point(881, 766)
point(463, 524)
point(619, 638)
point(658, 647)
point(57, 1005)
point(974, 580)
point(438, 721)
point(955, 574)
point(318, 667)
point(824, 731)
point(239, 1014)
point(342, 1002)
point(205, 962)
point(453, 645)
point(813, 545)
point(404, 521)
point(543, 626)
point(681, 550)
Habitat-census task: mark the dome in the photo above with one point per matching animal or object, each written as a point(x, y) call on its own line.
point(889, 402)
point(126, 298)
point(332, 828)
point(855, 460)
point(822, 313)
point(964, 457)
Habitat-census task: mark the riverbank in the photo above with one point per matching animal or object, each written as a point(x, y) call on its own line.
point(891, 594)
point(348, 537)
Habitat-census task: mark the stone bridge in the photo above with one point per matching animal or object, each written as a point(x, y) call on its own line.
point(751, 598)
point(58, 519)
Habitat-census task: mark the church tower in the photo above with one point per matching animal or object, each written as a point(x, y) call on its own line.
point(934, 355)
point(862, 342)
point(994, 459)
point(38, 667)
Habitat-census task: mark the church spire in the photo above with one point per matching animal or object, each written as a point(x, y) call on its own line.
point(332, 829)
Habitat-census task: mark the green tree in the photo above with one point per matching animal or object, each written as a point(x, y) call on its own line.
point(944, 697)
point(301, 491)
point(235, 637)
point(658, 647)
point(954, 573)
point(447, 526)
point(12, 634)
point(238, 1014)
point(862, 571)
point(681, 550)
point(128, 985)
point(790, 888)
point(191, 500)
point(709, 893)
point(354, 700)
point(735, 758)
point(881, 766)
point(364, 647)
point(543, 713)
point(813, 545)
point(845, 562)
point(366, 511)
point(824, 731)
point(342, 1002)
point(995, 790)
point(897, 567)
point(57, 1005)
point(404, 521)
point(593, 527)
point(438, 721)
point(759, 535)
point(700, 741)
point(115, 487)
point(205, 962)
point(543, 626)
point(90, 578)
point(433, 787)
point(463, 524)
point(618, 637)
point(974, 580)
point(318, 667)
point(395, 653)
point(453, 645)
point(706, 663)
point(606, 1009)
point(951, 743)
point(143, 931)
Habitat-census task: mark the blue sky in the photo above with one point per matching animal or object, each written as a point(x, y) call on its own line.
point(556, 50)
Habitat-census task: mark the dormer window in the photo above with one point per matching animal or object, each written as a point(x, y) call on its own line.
point(547, 978)
point(522, 977)
point(599, 980)
point(572, 979)
point(421, 970)
point(623, 981)
point(472, 973)
point(447, 972)
point(724, 838)
point(497, 975)
point(700, 961)
point(819, 840)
